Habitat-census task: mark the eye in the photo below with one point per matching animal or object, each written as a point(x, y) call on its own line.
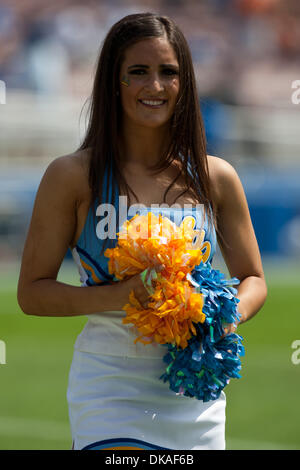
point(167, 71)
point(137, 72)
point(170, 72)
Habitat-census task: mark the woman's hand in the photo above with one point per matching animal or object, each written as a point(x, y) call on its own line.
point(230, 328)
point(136, 285)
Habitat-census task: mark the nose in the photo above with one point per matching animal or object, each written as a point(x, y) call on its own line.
point(154, 83)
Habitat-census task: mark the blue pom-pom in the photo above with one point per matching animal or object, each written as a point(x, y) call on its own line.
point(220, 303)
point(210, 360)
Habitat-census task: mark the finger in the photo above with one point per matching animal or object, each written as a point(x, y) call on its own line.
point(141, 294)
point(159, 267)
point(227, 330)
point(143, 302)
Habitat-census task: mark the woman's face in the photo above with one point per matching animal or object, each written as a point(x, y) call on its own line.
point(149, 83)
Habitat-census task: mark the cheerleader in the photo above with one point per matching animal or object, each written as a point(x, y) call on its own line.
point(145, 139)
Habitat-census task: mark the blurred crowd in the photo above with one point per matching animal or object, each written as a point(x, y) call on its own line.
point(246, 55)
point(244, 51)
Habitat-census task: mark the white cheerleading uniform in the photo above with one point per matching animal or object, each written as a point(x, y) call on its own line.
point(115, 396)
point(115, 393)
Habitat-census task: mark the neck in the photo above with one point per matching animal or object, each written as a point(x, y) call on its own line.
point(141, 146)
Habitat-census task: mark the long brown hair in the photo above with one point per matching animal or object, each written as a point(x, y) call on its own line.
point(187, 130)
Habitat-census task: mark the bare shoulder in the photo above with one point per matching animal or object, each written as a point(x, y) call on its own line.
point(70, 172)
point(73, 165)
point(223, 176)
point(220, 170)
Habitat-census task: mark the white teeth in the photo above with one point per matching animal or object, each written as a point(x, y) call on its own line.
point(152, 103)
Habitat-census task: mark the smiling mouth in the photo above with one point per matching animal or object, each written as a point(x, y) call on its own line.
point(152, 103)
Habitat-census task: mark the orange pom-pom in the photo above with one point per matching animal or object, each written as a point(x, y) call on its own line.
point(145, 242)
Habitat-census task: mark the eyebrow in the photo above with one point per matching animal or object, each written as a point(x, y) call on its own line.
point(147, 66)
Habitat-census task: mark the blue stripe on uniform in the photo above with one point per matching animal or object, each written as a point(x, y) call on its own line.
point(123, 442)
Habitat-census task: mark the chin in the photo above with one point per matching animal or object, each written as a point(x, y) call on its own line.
point(152, 123)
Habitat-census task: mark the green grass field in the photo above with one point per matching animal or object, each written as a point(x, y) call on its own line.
point(263, 407)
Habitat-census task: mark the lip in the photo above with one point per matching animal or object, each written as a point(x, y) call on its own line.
point(152, 99)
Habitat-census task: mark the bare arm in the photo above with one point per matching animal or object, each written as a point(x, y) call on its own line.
point(50, 232)
point(239, 245)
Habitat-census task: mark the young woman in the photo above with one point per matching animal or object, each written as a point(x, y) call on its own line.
point(145, 136)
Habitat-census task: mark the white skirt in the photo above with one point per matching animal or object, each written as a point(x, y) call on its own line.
point(115, 395)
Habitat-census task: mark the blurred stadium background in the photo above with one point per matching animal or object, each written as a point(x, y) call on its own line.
point(247, 61)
